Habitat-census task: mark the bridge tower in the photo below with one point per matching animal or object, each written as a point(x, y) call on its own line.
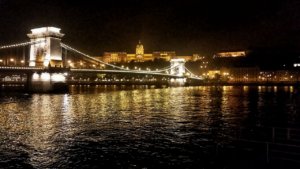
point(177, 66)
point(47, 49)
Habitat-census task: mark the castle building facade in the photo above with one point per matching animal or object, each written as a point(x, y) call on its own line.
point(141, 56)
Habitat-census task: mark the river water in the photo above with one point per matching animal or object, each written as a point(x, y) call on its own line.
point(142, 127)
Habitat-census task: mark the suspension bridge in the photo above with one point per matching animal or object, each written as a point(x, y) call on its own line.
point(45, 63)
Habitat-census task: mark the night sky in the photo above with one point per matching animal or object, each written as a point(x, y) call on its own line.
point(187, 26)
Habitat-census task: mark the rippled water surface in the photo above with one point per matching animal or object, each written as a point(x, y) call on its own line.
point(184, 127)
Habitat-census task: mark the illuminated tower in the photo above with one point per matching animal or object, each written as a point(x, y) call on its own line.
point(139, 52)
point(47, 50)
point(178, 68)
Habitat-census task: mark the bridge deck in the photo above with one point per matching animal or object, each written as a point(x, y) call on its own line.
point(15, 69)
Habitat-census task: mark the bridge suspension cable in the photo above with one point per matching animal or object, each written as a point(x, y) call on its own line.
point(111, 65)
point(21, 44)
point(88, 56)
point(192, 74)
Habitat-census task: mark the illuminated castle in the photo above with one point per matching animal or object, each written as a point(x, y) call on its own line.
point(141, 56)
point(139, 52)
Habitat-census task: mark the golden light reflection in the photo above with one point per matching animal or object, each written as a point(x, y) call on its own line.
point(227, 88)
point(67, 110)
point(292, 89)
point(275, 89)
point(259, 89)
point(245, 88)
point(44, 122)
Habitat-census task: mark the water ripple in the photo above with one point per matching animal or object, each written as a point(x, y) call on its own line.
point(140, 128)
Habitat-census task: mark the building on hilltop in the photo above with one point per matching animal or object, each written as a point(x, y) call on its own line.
point(165, 55)
point(230, 54)
point(139, 52)
point(141, 56)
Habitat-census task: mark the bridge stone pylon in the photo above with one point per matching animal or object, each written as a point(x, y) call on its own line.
point(47, 49)
point(178, 67)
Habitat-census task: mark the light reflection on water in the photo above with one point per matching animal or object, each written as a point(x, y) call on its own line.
point(131, 128)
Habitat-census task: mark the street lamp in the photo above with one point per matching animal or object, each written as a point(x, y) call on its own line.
point(70, 63)
point(12, 60)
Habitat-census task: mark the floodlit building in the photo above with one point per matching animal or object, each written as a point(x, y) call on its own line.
point(241, 74)
point(114, 57)
point(212, 74)
point(139, 52)
point(141, 56)
point(231, 54)
point(187, 58)
point(165, 55)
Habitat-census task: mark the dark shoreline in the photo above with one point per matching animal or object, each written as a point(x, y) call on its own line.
point(245, 84)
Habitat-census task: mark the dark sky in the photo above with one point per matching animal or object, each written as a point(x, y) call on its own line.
point(186, 26)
